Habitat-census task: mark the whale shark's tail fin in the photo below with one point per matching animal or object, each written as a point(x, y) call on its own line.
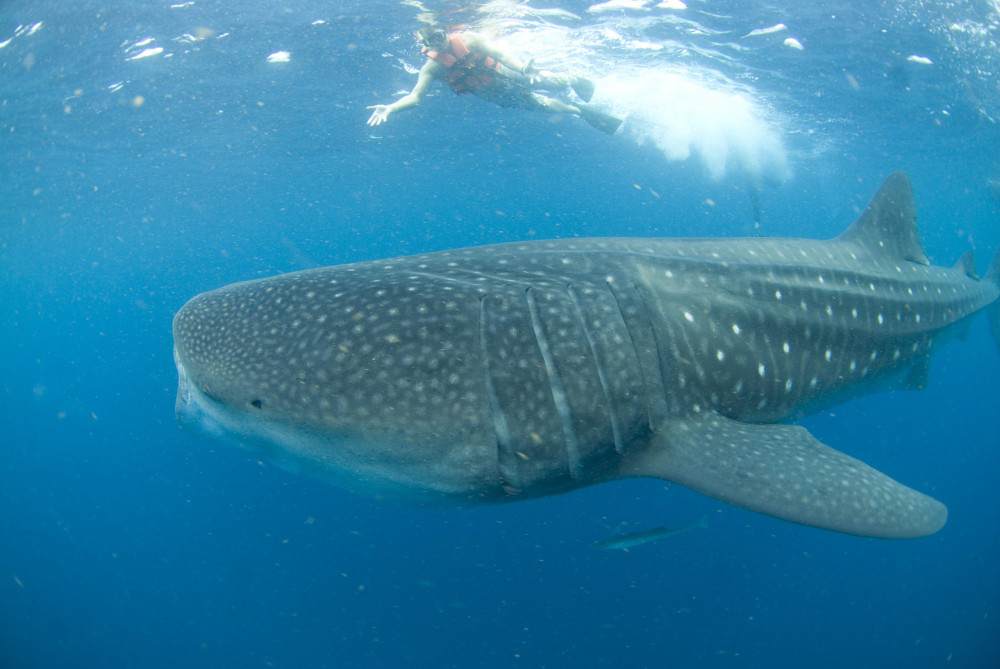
point(993, 311)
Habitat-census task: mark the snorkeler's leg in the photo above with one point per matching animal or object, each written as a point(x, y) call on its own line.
point(555, 106)
point(598, 119)
point(551, 81)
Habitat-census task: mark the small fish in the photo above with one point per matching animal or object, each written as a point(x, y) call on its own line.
point(625, 541)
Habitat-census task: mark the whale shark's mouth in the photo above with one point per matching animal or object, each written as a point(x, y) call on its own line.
point(194, 408)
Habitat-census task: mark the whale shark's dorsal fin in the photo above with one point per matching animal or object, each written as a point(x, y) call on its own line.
point(888, 225)
point(967, 265)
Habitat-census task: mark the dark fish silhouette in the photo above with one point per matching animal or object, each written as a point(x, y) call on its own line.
point(632, 539)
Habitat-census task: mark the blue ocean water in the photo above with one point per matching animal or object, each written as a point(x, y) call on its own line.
point(153, 150)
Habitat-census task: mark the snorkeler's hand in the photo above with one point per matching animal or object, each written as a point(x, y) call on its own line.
point(380, 114)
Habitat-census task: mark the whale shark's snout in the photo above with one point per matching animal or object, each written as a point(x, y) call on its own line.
point(351, 373)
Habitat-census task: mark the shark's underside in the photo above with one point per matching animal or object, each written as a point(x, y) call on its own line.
point(513, 371)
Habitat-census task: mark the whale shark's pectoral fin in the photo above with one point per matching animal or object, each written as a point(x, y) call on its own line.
point(784, 471)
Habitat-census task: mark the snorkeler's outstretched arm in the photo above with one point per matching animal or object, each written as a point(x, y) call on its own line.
point(428, 73)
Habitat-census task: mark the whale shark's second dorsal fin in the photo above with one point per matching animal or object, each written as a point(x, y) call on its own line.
point(888, 225)
point(967, 265)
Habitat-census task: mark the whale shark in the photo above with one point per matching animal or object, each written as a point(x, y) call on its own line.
point(515, 371)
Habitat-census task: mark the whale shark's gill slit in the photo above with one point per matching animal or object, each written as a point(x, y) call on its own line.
point(635, 349)
point(616, 428)
point(639, 327)
point(661, 379)
point(500, 427)
point(555, 386)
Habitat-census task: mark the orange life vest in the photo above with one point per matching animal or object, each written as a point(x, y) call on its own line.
point(468, 72)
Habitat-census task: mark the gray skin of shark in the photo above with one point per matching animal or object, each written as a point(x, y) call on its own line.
point(514, 371)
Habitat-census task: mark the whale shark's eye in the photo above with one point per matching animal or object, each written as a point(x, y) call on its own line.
point(256, 404)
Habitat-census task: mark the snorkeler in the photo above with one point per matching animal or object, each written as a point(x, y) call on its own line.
point(470, 63)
